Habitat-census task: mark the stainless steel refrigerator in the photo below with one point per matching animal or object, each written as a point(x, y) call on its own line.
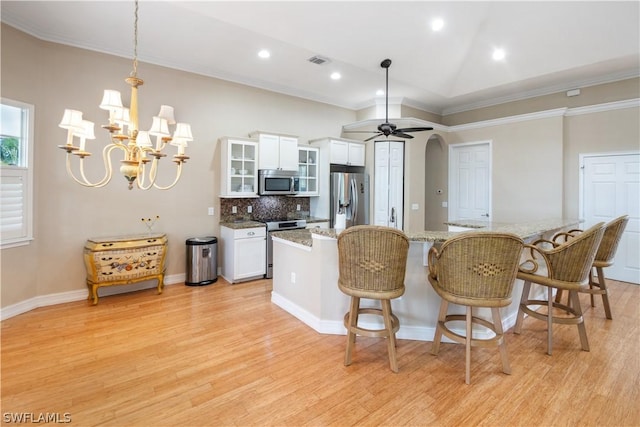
point(350, 195)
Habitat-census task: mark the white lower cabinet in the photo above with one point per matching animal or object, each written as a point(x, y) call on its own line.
point(244, 253)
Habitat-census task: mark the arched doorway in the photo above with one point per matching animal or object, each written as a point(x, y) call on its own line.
point(435, 184)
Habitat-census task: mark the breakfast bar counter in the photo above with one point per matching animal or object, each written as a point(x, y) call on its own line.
point(305, 277)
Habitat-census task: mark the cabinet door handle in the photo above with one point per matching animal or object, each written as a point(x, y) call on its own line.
point(151, 240)
point(251, 233)
point(106, 258)
point(106, 245)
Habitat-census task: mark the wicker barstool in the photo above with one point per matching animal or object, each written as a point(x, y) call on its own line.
point(475, 269)
point(372, 263)
point(561, 267)
point(604, 258)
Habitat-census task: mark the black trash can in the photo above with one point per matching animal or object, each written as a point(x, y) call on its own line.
point(202, 261)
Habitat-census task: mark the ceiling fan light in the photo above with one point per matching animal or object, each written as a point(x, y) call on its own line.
point(498, 54)
point(437, 24)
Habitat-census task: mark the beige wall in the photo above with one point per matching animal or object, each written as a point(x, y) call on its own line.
point(54, 77)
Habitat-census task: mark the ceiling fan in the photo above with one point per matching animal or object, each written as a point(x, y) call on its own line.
point(387, 128)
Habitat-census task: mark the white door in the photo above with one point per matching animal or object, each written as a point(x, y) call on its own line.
point(389, 184)
point(470, 181)
point(610, 187)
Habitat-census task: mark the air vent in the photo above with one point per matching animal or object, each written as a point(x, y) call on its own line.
point(318, 60)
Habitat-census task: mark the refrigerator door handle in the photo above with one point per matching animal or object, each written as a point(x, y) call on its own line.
point(354, 200)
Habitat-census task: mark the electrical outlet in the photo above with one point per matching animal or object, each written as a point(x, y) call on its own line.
point(293, 277)
point(234, 209)
point(210, 211)
point(249, 209)
point(415, 206)
point(297, 207)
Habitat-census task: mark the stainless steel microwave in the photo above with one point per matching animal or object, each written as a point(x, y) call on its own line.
point(278, 182)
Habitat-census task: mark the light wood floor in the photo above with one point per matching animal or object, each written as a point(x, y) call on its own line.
point(224, 355)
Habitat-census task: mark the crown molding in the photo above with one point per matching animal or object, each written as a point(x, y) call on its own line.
point(608, 106)
point(610, 78)
point(556, 112)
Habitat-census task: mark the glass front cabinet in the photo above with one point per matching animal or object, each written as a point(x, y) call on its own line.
point(308, 159)
point(239, 167)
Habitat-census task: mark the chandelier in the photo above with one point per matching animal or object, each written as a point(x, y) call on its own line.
point(140, 157)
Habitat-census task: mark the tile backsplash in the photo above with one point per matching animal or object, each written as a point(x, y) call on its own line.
point(263, 207)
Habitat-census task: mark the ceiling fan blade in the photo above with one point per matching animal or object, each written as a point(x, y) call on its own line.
point(374, 136)
point(414, 129)
point(358, 131)
point(402, 135)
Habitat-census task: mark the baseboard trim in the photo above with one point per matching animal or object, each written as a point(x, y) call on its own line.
point(81, 294)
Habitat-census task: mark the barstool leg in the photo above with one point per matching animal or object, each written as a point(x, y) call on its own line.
point(497, 322)
point(582, 330)
point(391, 339)
point(591, 284)
point(435, 346)
point(523, 302)
point(550, 319)
point(602, 284)
point(468, 338)
point(351, 335)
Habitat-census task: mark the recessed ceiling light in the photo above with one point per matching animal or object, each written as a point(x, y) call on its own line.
point(380, 92)
point(336, 76)
point(498, 54)
point(437, 24)
point(264, 53)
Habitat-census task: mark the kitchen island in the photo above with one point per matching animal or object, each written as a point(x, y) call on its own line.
point(305, 278)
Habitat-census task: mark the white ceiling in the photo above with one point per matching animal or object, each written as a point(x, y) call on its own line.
point(550, 46)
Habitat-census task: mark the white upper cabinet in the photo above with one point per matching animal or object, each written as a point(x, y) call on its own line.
point(356, 154)
point(239, 168)
point(343, 152)
point(277, 151)
point(308, 167)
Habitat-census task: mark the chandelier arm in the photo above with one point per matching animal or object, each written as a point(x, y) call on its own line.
point(152, 175)
point(106, 154)
point(178, 173)
point(106, 158)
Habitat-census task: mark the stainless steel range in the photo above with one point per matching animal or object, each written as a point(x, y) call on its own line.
point(279, 225)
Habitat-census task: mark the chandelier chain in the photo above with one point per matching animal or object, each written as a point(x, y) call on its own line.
point(134, 73)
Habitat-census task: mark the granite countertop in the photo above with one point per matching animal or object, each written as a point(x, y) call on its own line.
point(524, 230)
point(239, 225)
